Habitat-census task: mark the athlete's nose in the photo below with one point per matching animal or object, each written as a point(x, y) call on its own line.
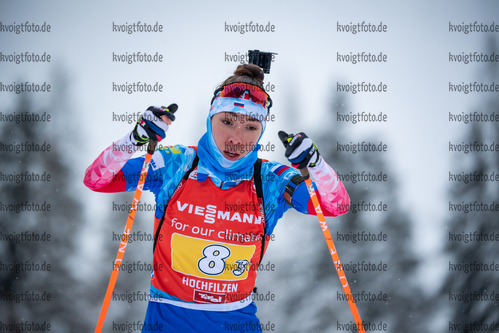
point(236, 135)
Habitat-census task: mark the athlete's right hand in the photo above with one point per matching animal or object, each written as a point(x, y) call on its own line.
point(153, 124)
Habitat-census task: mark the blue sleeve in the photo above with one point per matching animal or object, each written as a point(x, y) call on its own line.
point(275, 177)
point(301, 199)
point(168, 165)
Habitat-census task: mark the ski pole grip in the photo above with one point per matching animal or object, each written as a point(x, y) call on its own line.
point(283, 136)
point(151, 147)
point(165, 111)
point(304, 173)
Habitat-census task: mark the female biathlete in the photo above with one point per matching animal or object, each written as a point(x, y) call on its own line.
point(217, 204)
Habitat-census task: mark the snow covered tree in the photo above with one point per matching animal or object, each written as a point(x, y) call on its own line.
point(470, 289)
point(41, 217)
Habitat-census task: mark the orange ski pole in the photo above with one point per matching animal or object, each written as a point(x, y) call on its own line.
point(332, 250)
point(330, 243)
point(158, 112)
point(126, 233)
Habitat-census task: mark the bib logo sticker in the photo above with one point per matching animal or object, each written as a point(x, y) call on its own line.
point(210, 260)
point(241, 267)
point(207, 297)
point(194, 174)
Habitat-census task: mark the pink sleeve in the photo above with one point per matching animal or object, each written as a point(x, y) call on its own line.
point(331, 192)
point(107, 166)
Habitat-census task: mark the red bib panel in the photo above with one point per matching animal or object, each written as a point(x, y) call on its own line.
point(210, 243)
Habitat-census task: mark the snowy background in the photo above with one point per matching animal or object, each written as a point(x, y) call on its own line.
point(424, 287)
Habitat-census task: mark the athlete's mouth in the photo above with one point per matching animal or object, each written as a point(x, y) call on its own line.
point(231, 154)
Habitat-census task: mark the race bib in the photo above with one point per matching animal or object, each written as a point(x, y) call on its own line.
point(210, 260)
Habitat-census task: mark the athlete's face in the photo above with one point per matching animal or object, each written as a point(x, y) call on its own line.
point(235, 134)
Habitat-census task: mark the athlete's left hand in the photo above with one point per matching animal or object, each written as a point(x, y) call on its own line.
point(301, 151)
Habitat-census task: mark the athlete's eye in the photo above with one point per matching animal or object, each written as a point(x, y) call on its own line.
point(227, 121)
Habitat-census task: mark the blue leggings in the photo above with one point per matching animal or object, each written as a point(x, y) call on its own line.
point(162, 317)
